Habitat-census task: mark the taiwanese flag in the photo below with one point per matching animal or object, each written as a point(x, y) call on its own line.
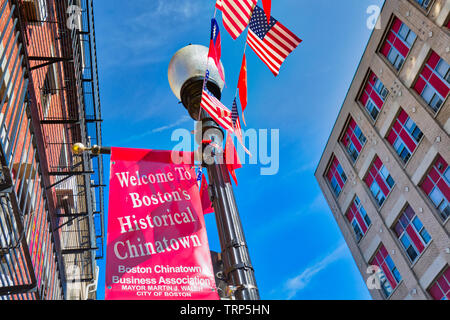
point(215, 50)
point(232, 161)
point(204, 196)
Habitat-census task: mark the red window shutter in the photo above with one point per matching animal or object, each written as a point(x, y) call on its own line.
point(397, 126)
point(420, 85)
point(436, 292)
point(383, 251)
point(434, 175)
point(439, 85)
point(447, 274)
point(441, 162)
point(385, 50)
point(392, 137)
point(355, 141)
point(443, 284)
point(352, 125)
point(384, 187)
point(339, 180)
point(377, 99)
point(369, 180)
point(396, 25)
point(391, 37)
point(379, 257)
point(350, 215)
point(401, 47)
point(413, 235)
point(373, 171)
point(403, 116)
point(364, 98)
point(389, 276)
point(410, 143)
point(426, 73)
point(445, 189)
point(361, 222)
point(329, 175)
point(372, 78)
point(427, 185)
point(433, 60)
point(378, 163)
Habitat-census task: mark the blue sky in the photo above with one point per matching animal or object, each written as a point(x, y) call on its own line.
point(296, 247)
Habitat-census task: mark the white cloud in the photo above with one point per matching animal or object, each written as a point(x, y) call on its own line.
point(157, 130)
point(145, 34)
point(299, 282)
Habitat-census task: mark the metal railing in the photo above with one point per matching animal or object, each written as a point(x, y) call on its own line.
point(51, 201)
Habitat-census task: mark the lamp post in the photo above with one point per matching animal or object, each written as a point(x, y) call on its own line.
point(186, 78)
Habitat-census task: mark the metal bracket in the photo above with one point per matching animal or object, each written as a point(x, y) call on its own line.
point(236, 244)
point(237, 266)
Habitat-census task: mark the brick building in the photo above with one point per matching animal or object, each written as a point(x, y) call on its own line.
point(385, 168)
point(51, 201)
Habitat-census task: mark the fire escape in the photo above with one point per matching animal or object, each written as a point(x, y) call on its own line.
point(57, 39)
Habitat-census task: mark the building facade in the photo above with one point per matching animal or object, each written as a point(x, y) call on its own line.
point(51, 201)
point(385, 168)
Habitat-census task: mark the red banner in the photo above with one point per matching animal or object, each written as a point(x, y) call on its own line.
point(157, 246)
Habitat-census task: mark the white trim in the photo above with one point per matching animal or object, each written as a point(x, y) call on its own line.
point(395, 211)
point(372, 248)
point(442, 17)
point(433, 270)
point(418, 62)
point(390, 118)
point(424, 165)
point(366, 165)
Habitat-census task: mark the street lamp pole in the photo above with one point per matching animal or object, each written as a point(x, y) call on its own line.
point(186, 77)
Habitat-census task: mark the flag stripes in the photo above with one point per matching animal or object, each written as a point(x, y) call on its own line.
point(217, 111)
point(235, 15)
point(272, 42)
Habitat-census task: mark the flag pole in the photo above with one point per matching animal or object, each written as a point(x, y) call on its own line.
point(238, 269)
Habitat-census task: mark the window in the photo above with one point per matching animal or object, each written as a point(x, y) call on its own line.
point(442, 69)
point(336, 176)
point(398, 43)
point(388, 274)
point(353, 139)
point(440, 290)
point(423, 3)
point(411, 233)
point(377, 193)
point(379, 181)
point(433, 84)
point(373, 95)
point(404, 136)
point(358, 218)
point(436, 185)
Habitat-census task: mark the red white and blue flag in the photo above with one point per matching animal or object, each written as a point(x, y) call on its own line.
point(218, 112)
point(215, 48)
point(222, 115)
point(272, 42)
point(236, 15)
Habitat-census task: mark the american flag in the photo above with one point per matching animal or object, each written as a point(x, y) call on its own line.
point(217, 111)
point(222, 116)
point(235, 15)
point(272, 42)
